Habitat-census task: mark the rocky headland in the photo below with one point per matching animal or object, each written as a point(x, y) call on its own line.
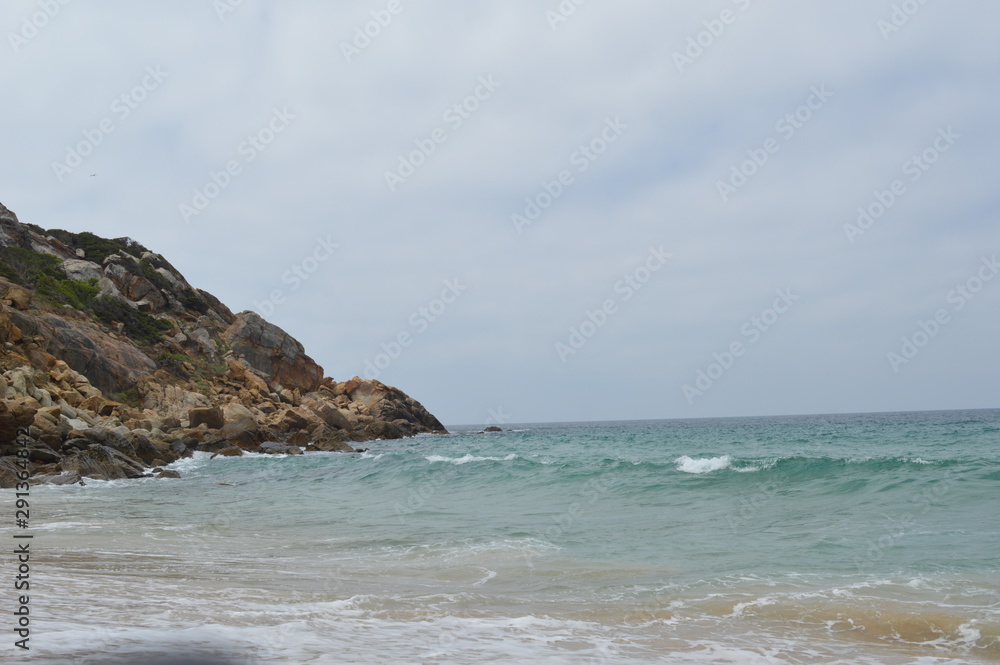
point(113, 366)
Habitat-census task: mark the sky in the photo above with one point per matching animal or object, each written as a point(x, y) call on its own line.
point(537, 211)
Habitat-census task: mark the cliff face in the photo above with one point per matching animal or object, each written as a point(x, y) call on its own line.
point(113, 364)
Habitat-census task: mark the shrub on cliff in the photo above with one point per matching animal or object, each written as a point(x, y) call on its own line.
point(141, 327)
point(69, 292)
point(25, 267)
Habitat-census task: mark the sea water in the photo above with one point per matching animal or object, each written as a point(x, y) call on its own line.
point(868, 538)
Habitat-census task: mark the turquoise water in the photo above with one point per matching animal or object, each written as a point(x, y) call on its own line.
point(822, 539)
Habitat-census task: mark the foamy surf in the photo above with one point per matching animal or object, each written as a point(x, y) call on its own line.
point(703, 465)
point(466, 459)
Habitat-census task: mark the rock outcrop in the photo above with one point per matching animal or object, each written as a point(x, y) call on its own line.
point(272, 351)
point(112, 366)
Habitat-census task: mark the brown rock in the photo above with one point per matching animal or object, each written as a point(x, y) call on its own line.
point(111, 365)
point(332, 445)
point(297, 419)
point(333, 416)
point(8, 331)
point(210, 416)
point(18, 297)
point(244, 432)
point(269, 349)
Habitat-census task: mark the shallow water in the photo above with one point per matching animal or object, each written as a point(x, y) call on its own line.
point(825, 539)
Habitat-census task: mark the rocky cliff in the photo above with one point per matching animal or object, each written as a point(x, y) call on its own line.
point(113, 366)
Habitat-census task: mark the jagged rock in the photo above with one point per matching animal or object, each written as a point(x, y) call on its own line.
point(43, 454)
point(70, 478)
point(204, 342)
point(141, 290)
point(332, 415)
point(268, 348)
point(8, 331)
point(18, 297)
point(244, 432)
point(167, 473)
point(275, 448)
point(166, 396)
point(378, 429)
point(102, 463)
point(111, 365)
point(297, 419)
point(211, 416)
point(144, 449)
point(332, 445)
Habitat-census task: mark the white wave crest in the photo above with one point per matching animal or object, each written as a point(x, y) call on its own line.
point(704, 465)
point(469, 458)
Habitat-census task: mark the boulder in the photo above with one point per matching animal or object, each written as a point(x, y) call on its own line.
point(211, 416)
point(102, 463)
point(296, 419)
point(332, 445)
point(81, 271)
point(274, 448)
point(379, 429)
point(244, 432)
point(18, 297)
point(166, 395)
point(247, 376)
point(43, 454)
point(332, 415)
point(269, 349)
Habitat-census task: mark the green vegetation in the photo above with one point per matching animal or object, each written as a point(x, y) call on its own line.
point(174, 361)
point(193, 301)
point(97, 248)
point(25, 267)
point(138, 325)
point(129, 398)
point(68, 291)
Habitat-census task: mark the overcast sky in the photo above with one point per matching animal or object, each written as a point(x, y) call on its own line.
point(697, 167)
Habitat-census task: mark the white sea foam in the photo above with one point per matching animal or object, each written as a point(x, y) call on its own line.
point(703, 465)
point(469, 458)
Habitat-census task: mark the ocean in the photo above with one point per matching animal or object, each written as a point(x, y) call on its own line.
point(871, 538)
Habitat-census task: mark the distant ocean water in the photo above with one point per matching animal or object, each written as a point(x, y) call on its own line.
point(818, 539)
